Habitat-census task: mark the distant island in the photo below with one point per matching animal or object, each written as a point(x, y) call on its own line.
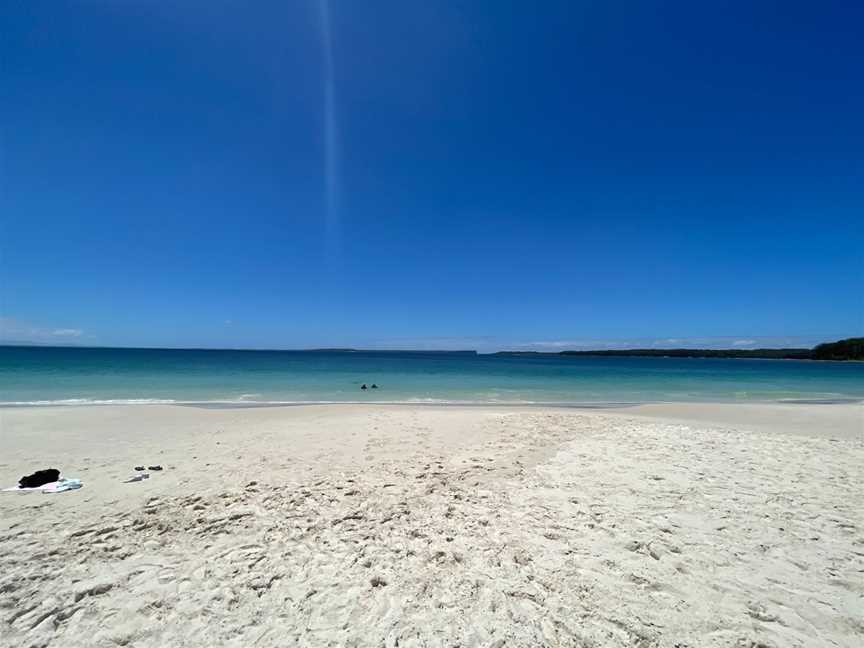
point(848, 349)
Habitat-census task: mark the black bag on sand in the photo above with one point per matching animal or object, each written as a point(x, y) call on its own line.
point(39, 478)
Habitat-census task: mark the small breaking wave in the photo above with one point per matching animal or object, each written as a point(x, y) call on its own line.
point(250, 401)
point(91, 401)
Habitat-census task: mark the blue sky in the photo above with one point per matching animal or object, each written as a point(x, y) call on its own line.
point(433, 174)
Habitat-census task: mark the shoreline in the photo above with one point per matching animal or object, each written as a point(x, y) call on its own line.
point(250, 404)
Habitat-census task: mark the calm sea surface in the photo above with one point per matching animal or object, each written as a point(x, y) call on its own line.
point(41, 375)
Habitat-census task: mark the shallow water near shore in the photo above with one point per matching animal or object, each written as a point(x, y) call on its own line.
point(47, 376)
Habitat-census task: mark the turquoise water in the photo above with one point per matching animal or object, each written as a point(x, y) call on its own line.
point(41, 375)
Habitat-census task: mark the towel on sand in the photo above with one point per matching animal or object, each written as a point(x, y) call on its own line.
point(54, 487)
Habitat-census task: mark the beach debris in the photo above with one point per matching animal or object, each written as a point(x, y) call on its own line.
point(137, 478)
point(39, 478)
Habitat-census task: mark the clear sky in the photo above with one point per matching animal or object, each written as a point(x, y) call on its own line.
point(400, 173)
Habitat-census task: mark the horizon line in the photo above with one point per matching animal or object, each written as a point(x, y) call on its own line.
point(39, 345)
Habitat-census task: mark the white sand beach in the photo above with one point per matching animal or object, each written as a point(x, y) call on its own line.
point(658, 525)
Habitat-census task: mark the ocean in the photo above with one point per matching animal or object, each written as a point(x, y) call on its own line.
point(49, 376)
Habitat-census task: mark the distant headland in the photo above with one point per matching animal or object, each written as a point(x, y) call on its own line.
point(848, 349)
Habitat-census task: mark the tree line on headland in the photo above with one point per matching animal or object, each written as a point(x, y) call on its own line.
point(848, 349)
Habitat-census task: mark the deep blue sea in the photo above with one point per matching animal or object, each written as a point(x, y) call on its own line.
point(43, 375)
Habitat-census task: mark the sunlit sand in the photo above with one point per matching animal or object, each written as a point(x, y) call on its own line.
point(436, 526)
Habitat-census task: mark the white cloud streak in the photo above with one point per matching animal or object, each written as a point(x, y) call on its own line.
point(15, 330)
point(67, 332)
point(488, 344)
point(716, 342)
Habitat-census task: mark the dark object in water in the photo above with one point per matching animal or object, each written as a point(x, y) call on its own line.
point(39, 478)
point(374, 386)
point(363, 386)
point(157, 467)
point(139, 468)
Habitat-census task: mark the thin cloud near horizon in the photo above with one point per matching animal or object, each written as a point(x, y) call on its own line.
point(15, 330)
point(710, 342)
point(491, 343)
point(12, 329)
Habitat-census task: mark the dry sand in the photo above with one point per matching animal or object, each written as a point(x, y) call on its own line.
point(664, 525)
